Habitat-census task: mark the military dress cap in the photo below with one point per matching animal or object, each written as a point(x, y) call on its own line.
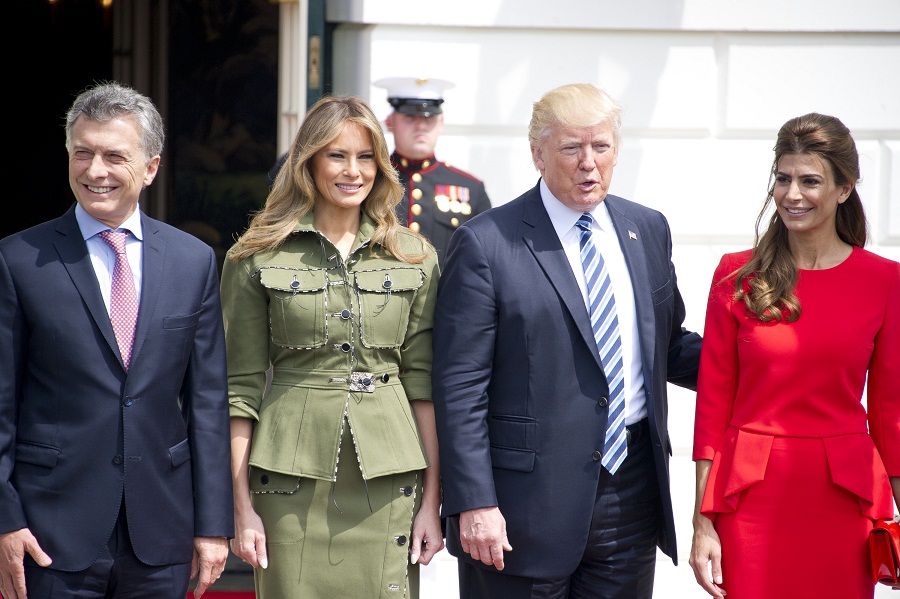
point(409, 95)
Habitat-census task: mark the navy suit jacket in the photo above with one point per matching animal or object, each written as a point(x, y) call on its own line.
point(517, 377)
point(79, 434)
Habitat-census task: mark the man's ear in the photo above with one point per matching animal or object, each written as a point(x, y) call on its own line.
point(152, 169)
point(537, 158)
point(389, 121)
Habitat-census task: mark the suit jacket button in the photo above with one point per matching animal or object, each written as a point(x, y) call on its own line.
point(385, 377)
point(128, 401)
point(597, 456)
point(603, 402)
point(401, 540)
point(118, 459)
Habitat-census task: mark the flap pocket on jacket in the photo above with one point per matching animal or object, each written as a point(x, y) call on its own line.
point(292, 280)
point(180, 453)
point(512, 431)
point(266, 481)
point(521, 460)
point(389, 279)
point(38, 455)
point(297, 300)
point(385, 299)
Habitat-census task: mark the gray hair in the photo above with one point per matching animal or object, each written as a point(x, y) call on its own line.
point(574, 105)
point(109, 100)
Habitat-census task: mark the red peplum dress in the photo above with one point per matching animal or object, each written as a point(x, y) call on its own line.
point(800, 469)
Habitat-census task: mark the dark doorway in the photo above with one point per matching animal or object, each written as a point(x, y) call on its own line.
point(74, 41)
point(219, 103)
point(223, 94)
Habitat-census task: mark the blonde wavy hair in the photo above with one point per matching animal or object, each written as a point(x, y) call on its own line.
point(294, 192)
point(770, 275)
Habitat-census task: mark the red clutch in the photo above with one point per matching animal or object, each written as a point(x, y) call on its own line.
point(884, 543)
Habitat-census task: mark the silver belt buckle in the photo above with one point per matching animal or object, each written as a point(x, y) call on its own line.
point(362, 381)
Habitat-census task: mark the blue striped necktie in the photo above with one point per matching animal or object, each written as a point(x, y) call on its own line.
point(605, 324)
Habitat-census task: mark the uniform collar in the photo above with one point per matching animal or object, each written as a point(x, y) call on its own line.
point(409, 165)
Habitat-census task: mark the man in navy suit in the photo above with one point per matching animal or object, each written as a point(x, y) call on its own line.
point(114, 456)
point(521, 397)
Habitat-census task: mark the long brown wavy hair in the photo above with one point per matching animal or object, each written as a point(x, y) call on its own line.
point(294, 192)
point(771, 274)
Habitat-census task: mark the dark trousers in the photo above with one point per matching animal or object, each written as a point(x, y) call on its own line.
point(619, 561)
point(116, 574)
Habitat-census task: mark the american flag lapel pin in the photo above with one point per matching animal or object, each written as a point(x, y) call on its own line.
point(632, 235)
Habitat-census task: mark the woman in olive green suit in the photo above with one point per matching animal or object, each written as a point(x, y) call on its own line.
point(334, 459)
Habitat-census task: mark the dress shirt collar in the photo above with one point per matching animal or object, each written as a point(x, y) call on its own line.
point(90, 226)
point(564, 218)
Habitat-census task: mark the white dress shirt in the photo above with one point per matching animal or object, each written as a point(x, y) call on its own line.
point(103, 257)
point(607, 243)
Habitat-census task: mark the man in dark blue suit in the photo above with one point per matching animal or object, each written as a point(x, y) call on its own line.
point(521, 398)
point(114, 439)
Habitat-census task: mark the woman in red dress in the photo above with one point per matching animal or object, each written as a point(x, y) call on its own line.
point(792, 467)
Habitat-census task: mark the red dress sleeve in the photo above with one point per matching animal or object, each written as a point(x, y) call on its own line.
point(718, 375)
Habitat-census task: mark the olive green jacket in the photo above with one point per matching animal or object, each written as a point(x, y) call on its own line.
point(347, 341)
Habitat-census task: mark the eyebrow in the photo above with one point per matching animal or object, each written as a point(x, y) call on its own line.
point(810, 174)
point(346, 151)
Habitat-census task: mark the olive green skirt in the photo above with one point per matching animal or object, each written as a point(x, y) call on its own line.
point(348, 539)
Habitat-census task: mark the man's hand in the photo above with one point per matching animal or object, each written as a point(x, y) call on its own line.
point(210, 554)
point(482, 533)
point(13, 546)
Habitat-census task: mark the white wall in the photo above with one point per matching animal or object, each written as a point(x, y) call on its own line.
point(705, 84)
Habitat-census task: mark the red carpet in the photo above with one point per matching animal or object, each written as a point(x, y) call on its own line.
point(225, 595)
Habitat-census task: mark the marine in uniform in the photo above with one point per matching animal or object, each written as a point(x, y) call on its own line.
point(439, 197)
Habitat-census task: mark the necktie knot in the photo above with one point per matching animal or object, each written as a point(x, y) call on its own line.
point(585, 221)
point(115, 239)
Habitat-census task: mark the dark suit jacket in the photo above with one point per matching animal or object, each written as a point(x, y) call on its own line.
point(517, 377)
point(77, 433)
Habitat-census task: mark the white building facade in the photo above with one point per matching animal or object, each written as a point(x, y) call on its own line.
point(706, 84)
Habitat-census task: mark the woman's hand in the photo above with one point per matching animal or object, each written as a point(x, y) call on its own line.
point(427, 536)
point(706, 556)
point(249, 542)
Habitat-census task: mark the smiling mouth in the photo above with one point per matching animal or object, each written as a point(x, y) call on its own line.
point(93, 189)
point(348, 187)
point(798, 211)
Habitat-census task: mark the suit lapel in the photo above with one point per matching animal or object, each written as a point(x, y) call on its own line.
point(541, 238)
point(630, 240)
point(72, 251)
point(151, 281)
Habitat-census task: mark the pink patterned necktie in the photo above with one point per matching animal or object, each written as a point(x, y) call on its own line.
point(123, 303)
